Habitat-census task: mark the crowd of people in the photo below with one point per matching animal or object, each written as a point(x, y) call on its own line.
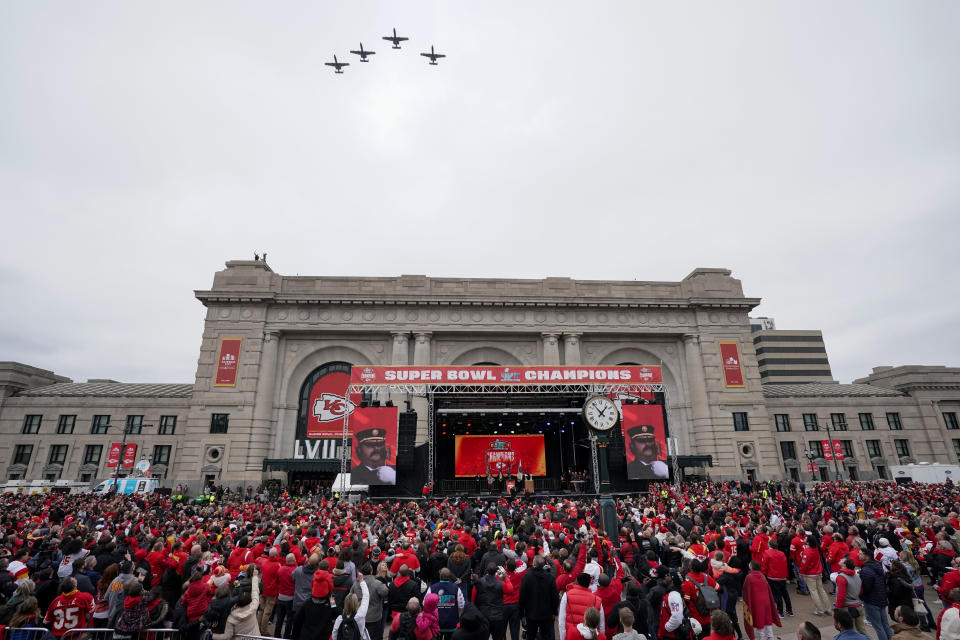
point(685, 562)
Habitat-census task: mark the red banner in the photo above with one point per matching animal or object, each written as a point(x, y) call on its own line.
point(113, 457)
point(329, 406)
point(827, 449)
point(228, 357)
point(732, 371)
point(811, 467)
point(499, 454)
point(505, 375)
point(837, 450)
point(645, 441)
point(374, 449)
point(129, 456)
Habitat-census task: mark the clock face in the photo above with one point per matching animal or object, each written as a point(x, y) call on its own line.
point(600, 413)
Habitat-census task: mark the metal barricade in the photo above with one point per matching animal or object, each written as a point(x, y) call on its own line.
point(88, 634)
point(30, 633)
point(111, 634)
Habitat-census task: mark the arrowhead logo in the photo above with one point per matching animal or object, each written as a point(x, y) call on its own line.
point(330, 406)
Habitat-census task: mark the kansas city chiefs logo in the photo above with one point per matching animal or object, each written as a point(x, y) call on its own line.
point(330, 406)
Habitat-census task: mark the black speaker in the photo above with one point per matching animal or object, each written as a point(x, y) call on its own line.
point(406, 439)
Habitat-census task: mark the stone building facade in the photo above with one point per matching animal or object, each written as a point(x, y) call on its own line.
point(291, 326)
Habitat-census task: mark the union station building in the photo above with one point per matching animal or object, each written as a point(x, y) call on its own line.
point(290, 331)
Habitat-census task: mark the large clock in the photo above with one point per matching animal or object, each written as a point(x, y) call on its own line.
point(600, 413)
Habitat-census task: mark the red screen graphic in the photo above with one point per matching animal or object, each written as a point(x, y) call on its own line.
point(328, 406)
point(494, 454)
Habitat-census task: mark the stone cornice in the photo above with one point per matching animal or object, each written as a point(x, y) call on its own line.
point(214, 297)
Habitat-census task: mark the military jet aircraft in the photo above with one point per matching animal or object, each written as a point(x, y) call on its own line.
point(337, 65)
point(433, 56)
point(363, 54)
point(395, 39)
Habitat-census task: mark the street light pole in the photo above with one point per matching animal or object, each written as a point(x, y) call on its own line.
point(811, 456)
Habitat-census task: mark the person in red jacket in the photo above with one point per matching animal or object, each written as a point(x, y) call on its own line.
point(758, 545)
point(691, 592)
point(197, 597)
point(950, 581)
point(609, 590)
point(567, 577)
point(811, 571)
point(574, 604)
point(269, 572)
point(405, 556)
point(774, 568)
point(285, 591)
point(797, 543)
point(837, 552)
point(516, 569)
point(157, 561)
point(239, 558)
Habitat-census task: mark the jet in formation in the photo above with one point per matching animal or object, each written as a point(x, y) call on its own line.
point(395, 39)
point(337, 65)
point(363, 54)
point(433, 56)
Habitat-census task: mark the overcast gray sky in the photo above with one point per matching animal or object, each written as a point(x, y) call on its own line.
point(811, 147)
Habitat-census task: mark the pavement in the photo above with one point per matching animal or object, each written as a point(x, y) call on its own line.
point(803, 611)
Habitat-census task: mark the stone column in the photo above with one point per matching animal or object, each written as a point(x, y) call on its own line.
point(399, 358)
point(259, 442)
point(551, 348)
point(401, 352)
point(421, 358)
point(699, 402)
point(421, 349)
point(571, 349)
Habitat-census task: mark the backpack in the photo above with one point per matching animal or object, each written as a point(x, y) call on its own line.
point(348, 629)
point(707, 597)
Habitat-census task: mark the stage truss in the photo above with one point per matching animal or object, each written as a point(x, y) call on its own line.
point(428, 391)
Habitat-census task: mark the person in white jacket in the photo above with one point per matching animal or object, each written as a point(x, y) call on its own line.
point(355, 608)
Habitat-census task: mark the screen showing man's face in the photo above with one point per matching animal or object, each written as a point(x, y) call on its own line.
point(372, 454)
point(644, 449)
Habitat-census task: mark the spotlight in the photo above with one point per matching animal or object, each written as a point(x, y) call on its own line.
point(518, 424)
point(548, 424)
point(563, 430)
point(499, 424)
point(512, 431)
point(539, 431)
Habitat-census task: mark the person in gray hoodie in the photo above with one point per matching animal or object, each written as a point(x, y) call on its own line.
point(378, 596)
point(302, 582)
point(115, 592)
